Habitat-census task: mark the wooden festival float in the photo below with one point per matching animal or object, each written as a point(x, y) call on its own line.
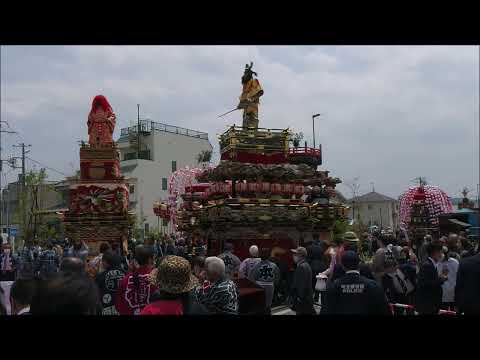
point(263, 192)
point(98, 200)
point(420, 209)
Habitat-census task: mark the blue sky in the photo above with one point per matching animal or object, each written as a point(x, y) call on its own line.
point(392, 113)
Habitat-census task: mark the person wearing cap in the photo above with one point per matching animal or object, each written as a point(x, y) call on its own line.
point(232, 262)
point(267, 275)
point(175, 282)
point(351, 242)
point(247, 265)
point(354, 294)
point(302, 290)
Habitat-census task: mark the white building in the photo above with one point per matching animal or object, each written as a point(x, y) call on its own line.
point(374, 209)
point(163, 150)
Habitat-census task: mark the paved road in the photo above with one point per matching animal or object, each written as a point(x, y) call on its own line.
point(284, 310)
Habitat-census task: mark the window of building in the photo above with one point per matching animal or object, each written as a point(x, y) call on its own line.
point(164, 184)
point(129, 156)
point(164, 222)
point(174, 166)
point(370, 207)
point(147, 228)
point(132, 189)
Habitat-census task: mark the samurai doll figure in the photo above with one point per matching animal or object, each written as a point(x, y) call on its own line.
point(101, 123)
point(250, 97)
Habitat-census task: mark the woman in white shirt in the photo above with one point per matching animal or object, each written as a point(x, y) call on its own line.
point(449, 265)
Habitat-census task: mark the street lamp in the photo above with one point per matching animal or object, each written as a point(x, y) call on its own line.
point(313, 123)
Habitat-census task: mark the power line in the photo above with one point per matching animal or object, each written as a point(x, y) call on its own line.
point(47, 167)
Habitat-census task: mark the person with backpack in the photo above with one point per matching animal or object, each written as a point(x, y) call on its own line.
point(135, 289)
point(397, 282)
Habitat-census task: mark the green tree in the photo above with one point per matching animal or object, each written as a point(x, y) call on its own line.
point(29, 204)
point(204, 156)
point(339, 228)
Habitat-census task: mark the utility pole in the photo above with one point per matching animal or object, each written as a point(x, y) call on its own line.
point(1, 170)
point(23, 184)
point(138, 131)
point(313, 125)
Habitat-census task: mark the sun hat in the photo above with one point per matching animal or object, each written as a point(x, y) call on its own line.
point(174, 275)
point(350, 236)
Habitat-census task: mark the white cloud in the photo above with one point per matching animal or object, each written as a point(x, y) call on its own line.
point(392, 112)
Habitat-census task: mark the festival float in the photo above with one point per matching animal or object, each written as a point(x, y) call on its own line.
point(420, 209)
point(263, 191)
point(98, 200)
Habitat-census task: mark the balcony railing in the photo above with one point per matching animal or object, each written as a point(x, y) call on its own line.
point(143, 155)
point(147, 126)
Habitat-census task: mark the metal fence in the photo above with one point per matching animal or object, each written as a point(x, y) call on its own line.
point(147, 126)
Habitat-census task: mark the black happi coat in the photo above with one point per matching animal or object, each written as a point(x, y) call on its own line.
point(108, 282)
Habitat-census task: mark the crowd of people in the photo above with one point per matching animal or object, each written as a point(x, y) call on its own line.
point(173, 277)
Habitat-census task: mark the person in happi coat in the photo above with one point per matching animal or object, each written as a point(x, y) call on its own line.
point(232, 262)
point(266, 274)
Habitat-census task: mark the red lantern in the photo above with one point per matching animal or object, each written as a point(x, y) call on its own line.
point(227, 188)
point(265, 187)
point(253, 187)
point(276, 189)
point(299, 189)
point(288, 189)
point(242, 187)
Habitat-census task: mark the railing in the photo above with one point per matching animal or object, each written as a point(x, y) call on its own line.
point(304, 151)
point(147, 126)
point(143, 155)
point(410, 310)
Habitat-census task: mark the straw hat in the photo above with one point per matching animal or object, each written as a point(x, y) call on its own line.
point(350, 236)
point(174, 275)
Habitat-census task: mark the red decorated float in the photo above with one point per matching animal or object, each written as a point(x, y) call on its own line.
point(420, 208)
point(98, 201)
